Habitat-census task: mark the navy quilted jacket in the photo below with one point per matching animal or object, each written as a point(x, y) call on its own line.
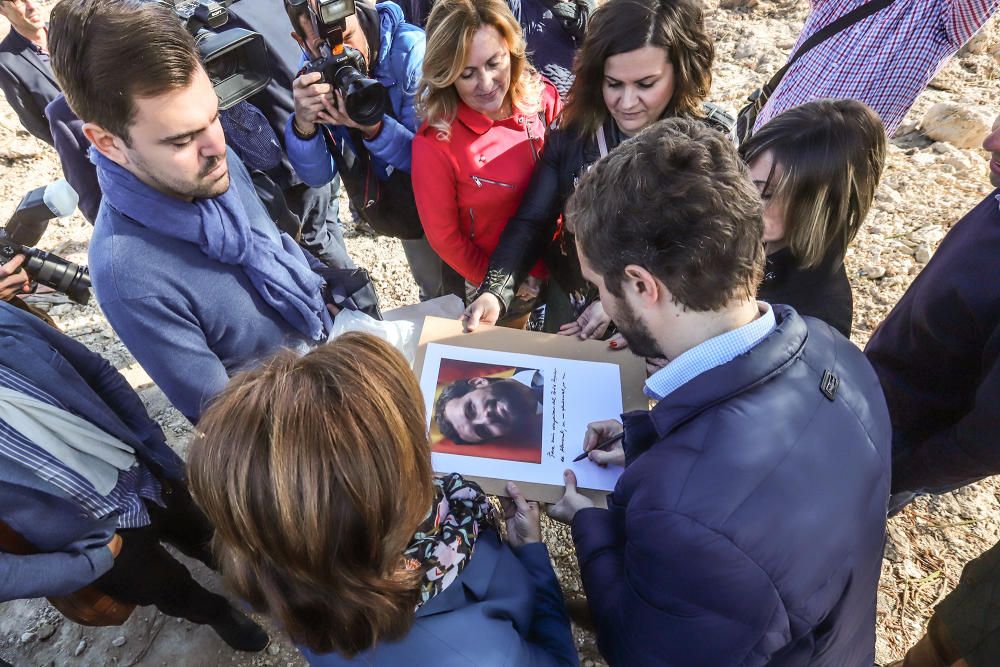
point(747, 528)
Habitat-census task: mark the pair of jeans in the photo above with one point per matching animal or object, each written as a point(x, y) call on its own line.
point(145, 573)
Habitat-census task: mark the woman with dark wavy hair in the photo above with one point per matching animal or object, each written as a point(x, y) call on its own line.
point(642, 60)
point(316, 471)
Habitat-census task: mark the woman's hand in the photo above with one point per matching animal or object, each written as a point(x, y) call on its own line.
point(13, 279)
point(592, 323)
point(524, 520)
point(484, 310)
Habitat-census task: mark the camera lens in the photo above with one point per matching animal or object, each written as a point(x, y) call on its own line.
point(223, 67)
point(52, 271)
point(365, 99)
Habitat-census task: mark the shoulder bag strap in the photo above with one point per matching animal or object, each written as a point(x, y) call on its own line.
point(857, 15)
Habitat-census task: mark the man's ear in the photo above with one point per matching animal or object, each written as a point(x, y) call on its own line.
point(479, 383)
point(641, 287)
point(109, 145)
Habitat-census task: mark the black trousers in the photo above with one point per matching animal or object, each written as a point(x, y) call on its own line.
point(318, 210)
point(145, 573)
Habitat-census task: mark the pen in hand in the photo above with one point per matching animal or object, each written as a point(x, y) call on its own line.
point(601, 445)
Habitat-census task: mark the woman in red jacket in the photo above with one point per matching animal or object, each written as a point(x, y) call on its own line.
point(485, 110)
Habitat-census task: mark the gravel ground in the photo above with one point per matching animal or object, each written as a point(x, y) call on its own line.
point(927, 187)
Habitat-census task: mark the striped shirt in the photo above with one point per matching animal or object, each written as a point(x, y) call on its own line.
point(125, 500)
point(710, 354)
point(885, 60)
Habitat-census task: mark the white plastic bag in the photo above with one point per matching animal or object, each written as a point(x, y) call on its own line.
point(399, 334)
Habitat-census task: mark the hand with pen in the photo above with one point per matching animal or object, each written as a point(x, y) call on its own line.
point(603, 445)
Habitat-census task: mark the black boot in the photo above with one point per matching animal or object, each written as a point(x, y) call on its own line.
point(241, 633)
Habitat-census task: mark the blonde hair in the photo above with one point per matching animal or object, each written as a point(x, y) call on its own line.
point(831, 154)
point(450, 28)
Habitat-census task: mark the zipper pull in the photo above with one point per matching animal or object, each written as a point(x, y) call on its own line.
point(478, 181)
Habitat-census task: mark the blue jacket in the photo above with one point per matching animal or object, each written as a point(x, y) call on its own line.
point(189, 320)
point(73, 545)
point(938, 357)
point(398, 67)
point(504, 610)
point(748, 525)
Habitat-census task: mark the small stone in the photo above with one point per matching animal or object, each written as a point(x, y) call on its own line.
point(923, 253)
point(964, 126)
point(28, 637)
point(118, 642)
point(45, 630)
point(273, 649)
point(873, 271)
point(80, 648)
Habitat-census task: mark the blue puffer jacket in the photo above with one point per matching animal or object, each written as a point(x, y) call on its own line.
point(398, 67)
point(747, 528)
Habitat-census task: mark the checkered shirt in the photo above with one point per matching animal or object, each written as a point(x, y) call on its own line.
point(885, 60)
point(708, 355)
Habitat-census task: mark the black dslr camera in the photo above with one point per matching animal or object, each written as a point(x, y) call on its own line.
point(25, 229)
point(365, 99)
point(235, 59)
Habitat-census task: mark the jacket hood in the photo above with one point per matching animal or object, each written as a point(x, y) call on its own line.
point(389, 17)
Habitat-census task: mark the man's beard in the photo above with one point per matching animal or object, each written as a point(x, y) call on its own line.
point(638, 336)
point(199, 189)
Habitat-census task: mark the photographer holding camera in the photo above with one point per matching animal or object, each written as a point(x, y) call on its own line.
point(369, 148)
point(13, 279)
point(187, 265)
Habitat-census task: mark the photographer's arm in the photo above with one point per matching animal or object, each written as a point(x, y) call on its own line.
point(304, 141)
point(13, 279)
point(393, 143)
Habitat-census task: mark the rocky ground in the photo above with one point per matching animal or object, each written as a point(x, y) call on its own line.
point(927, 187)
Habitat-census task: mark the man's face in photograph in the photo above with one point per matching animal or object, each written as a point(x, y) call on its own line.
point(493, 409)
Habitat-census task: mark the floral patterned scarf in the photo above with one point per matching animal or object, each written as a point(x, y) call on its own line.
point(446, 537)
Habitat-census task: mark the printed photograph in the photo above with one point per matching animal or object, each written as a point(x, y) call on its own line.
point(488, 411)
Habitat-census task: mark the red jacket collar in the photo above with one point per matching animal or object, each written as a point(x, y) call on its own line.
point(481, 124)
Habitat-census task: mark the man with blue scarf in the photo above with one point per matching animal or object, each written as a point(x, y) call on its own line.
point(186, 264)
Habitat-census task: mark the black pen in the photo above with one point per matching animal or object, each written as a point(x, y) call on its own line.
point(602, 446)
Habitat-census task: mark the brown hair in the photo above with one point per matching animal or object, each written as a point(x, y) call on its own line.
point(316, 472)
point(105, 53)
point(677, 201)
point(620, 26)
point(830, 154)
point(450, 28)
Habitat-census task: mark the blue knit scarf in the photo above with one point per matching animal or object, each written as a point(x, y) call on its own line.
point(221, 229)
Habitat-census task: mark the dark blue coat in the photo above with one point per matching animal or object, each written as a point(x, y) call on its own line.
point(28, 83)
point(504, 610)
point(747, 528)
point(938, 357)
point(72, 542)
